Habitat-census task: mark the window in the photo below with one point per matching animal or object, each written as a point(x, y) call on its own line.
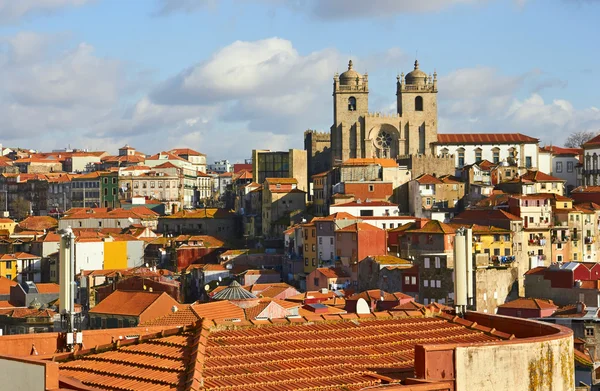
point(413, 280)
point(559, 258)
point(313, 233)
point(305, 261)
point(313, 247)
point(589, 331)
point(432, 283)
point(569, 166)
point(371, 188)
point(114, 180)
point(438, 263)
point(426, 284)
point(352, 104)
point(331, 240)
point(426, 263)
point(99, 223)
point(105, 191)
point(528, 161)
point(354, 237)
point(9, 265)
point(419, 103)
point(507, 252)
point(407, 280)
point(314, 263)
point(438, 283)
point(383, 225)
point(316, 282)
point(461, 157)
point(496, 155)
point(9, 276)
point(428, 201)
point(559, 167)
point(306, 247)
point(320, 240)
point(478, 156)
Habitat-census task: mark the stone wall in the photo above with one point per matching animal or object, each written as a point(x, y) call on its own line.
point(427, 164)
point(493, 286)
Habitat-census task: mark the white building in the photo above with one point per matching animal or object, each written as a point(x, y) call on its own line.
point(365, 209)
point(562, 163)
point(472, 148)
point(221, 166)
point(591, 156)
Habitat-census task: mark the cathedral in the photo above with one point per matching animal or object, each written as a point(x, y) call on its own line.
point(357, 133)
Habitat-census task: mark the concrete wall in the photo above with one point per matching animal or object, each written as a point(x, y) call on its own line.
point(89, 255)
point(533, 366)
point(493, 286)
point(21, 375)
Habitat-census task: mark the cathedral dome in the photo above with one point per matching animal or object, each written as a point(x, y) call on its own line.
point(417, 76)
point(350, 77)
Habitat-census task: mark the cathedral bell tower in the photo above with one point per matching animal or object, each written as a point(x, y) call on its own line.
point(350, 104)
point(417, 105)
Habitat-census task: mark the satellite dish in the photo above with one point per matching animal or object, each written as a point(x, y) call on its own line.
point(207, 287)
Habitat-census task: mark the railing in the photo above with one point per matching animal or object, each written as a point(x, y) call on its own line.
point(560, 239)
point(537, 241)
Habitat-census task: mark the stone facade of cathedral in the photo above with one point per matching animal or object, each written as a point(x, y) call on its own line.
point(357, 133)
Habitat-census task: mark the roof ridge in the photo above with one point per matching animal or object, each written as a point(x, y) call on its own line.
point(195, 380)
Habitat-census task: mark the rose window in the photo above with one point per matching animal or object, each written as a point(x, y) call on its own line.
point(384, 140)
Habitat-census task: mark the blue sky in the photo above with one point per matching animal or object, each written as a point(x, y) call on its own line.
point(227, 76)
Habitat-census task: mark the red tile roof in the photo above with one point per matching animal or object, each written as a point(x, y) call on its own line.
point(593, 142)
point(365, 204)
point(5, 285)
point(530, 303)
point(356, 227)
point(333, 272)
point(38, 223)
point(434, 227)
point(48, 287)
point(562, 151)
point(482, 216)
point(536, 176)
point(369, 161)
point(484, 138)
point(185, 151)
point(128, 303)
point(294, 354)
point(427, 179)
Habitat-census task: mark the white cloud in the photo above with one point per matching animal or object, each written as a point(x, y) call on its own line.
point(266, 84)
point(484, 100)
point(13, 10)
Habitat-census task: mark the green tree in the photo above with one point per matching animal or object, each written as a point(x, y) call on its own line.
point(20, 208)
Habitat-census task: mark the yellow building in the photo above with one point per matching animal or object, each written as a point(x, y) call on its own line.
point(309, 232)
point(115, 254)
point(494, 241)
point(8, 225)
point(8, 266)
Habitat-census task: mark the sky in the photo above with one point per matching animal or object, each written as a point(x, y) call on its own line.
point(224, 77)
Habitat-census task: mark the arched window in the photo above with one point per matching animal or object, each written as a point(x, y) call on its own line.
point(352, 103)
point(419, 103)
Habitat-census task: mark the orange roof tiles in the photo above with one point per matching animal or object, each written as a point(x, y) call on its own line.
point(47, 287)
point(427, 179)
point(185, 151)
point(38, 223)
point(220, 310)
point(484, 138)
point(333, 272)
point(367, 161)
point(366, 204)
point(127, 303)
point(434, 227)
point(5, 285)
point(360, 226)
point(286, 355)
point(529, 303)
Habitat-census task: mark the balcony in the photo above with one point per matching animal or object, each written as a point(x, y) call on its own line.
point(589, 239)
point(560, 239)
point(537, 241)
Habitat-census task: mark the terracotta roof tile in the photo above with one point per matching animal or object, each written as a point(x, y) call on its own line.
point(333, 272)
point(484, 138)
point(529, 303)
point(434, 227)
point(131, 303)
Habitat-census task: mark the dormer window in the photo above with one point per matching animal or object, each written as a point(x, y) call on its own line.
point(352, 104)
